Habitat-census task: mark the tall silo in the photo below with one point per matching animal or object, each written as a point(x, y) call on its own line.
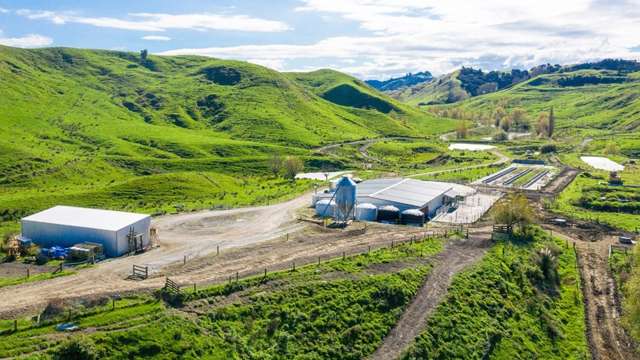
point(345, 198)
point(366, 212)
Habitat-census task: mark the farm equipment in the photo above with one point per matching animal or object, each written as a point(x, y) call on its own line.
point(18, 246)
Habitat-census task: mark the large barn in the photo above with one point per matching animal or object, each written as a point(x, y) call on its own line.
point(118, 232)
point(404, 194)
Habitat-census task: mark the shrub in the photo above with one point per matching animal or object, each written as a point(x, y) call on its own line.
point(79, 348)
point(500, 135)
point(548, 149)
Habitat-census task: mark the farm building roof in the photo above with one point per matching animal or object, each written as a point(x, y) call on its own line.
point(86, 218)
point(404, 191)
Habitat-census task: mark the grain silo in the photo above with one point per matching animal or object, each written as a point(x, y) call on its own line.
point(345, 199)
point(412, 217)
point(366, 212)
point(325, 208)
point(388, 214)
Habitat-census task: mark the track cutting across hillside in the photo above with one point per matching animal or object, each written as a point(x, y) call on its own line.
point(457, 256)
point(607, 338)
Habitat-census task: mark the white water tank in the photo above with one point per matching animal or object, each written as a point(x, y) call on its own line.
point(366, 212)
point(325, 208)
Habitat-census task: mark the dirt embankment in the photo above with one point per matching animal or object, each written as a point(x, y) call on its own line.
point(607, 338)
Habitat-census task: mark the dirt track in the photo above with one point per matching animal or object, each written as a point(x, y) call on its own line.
point(607, 338)
point(456, 256)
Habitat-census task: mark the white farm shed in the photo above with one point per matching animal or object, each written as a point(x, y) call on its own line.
point(118, 232)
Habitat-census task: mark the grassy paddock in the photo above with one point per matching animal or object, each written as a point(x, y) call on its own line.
point(498, 309)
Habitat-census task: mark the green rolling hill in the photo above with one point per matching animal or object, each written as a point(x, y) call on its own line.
point(106, 128)
point(585, 101)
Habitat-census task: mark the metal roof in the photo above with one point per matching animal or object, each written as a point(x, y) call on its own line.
point(86, 218)
point(405, 191)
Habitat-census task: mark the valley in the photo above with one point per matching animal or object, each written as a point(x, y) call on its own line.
point(243, 269)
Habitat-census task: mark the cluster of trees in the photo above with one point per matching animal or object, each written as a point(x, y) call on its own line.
point(611, 148)
point(477, 82)
point(517, 120)
point(461, 130)
point(546, 124)
point(609, 64)
point(287, 167)
point(514, 211)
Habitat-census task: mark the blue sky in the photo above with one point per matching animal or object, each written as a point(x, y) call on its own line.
point(367, 38)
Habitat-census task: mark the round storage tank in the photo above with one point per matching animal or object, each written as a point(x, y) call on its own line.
point(389, 214)
point(345, 199)
point(366, 212)
point(325, 208)
point(413, 217)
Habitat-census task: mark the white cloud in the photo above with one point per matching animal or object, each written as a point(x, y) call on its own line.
point(27, 41)
point(435, 35)
point(156, 38)
point(4, 11)
point(156, 22)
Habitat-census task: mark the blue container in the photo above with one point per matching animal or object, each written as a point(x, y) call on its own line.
point(345, 199)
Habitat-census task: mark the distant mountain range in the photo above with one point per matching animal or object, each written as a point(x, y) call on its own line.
point(401, 82)
point(468, 82)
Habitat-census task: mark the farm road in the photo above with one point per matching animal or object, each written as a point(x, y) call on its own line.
point(457, 256)
point(607, 338)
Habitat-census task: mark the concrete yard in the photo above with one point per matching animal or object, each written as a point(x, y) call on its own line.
point(471, 209)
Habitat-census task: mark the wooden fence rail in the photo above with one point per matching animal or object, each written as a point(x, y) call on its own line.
point(140, 272)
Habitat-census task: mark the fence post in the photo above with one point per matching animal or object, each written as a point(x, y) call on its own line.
point(369, 250)
point(28, 273)
point(185, 260)
point(344, 255)
point(318, 260)
point(237, 276)
point(113, 303)
point(15, 325)
point(217, 249)
point(265, 272)
point(195, 288)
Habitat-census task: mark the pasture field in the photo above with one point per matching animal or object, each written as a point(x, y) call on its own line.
point(503, 308)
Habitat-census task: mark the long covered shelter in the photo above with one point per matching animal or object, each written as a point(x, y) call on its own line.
point(404, 194)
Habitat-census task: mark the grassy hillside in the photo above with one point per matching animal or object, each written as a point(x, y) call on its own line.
point(506, 307)
point(339, 309)
point(584, 100)
point(364, 101)
point(105, 128)
point(442, 90)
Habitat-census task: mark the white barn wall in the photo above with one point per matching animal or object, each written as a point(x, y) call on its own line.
point(140, 227)
point(47, 235)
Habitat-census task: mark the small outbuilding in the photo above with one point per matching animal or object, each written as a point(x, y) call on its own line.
point(118, 232)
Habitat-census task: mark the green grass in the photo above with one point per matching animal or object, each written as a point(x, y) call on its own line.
point(339, 309)
point(579, 110)
point(465, 175)
point(102, 128)
point(570, 204)
point(496, 310)
point(33, 278)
